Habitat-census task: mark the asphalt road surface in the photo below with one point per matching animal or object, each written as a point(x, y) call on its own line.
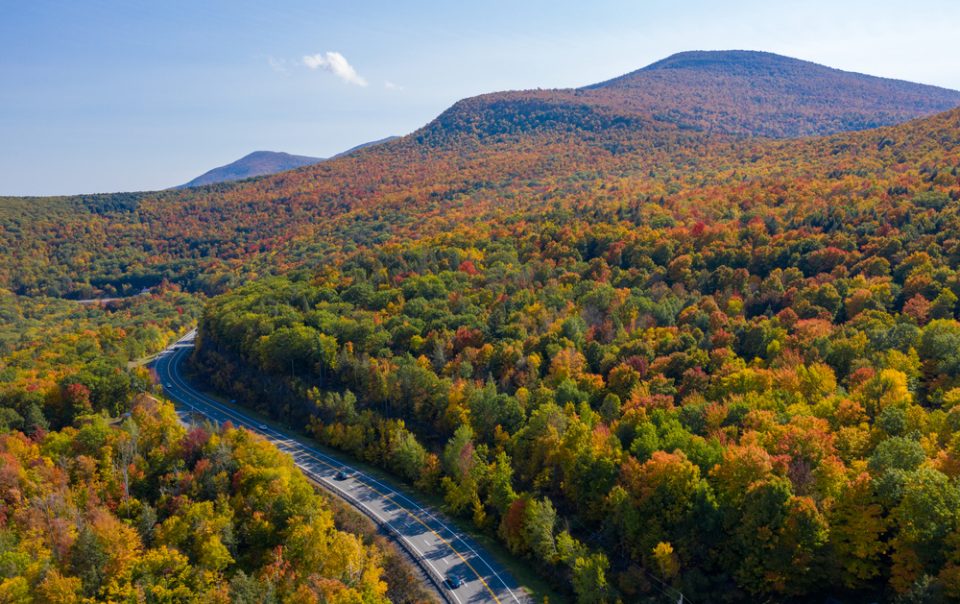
point(458, 567)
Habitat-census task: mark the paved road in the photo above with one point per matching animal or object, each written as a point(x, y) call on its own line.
point(441, 551)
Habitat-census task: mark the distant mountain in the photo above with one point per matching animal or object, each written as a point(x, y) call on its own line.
point(736, 300)
point(761, 93)
point(502, 150)
point(365, 146)
point(741, 93)
point(264, 163)
point(258, 163)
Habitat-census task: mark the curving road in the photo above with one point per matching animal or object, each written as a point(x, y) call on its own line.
point(459, 569)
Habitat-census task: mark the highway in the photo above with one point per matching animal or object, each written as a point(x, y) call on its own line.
point(461, 572)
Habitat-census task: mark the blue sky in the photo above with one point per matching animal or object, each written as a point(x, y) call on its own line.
point(116, 95)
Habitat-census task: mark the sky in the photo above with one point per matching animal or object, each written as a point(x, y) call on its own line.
point(126, 95)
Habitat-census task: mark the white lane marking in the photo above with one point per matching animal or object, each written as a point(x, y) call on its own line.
point(230, 415)
point(243, 422)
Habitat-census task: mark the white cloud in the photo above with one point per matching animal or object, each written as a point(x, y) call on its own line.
point(391, 86)
point(337, 64)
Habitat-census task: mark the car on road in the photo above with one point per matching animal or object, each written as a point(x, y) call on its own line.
point(169, 385)
point(453, 581)
point(262, 427)
point(343, 474)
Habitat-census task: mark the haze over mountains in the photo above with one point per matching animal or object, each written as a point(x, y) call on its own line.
point(765, 94)
point(265, 163)
point(742, 93)
point(258, 163)
point(640, 332)
point(652, 121)
point(727, 362)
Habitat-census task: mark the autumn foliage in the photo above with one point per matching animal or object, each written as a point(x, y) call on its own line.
point(648, 350)
point(149, 511)
point(744, 386)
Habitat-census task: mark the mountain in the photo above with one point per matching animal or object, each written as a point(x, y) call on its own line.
point(265, 163)
point(744, 356)
point(365, 146)
point(500, 151)
point(258, 163)
point(625, 329)
point(740, 93)
point(761, 93)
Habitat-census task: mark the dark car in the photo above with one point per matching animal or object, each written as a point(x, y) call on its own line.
point(453, 581)
point(340, 475)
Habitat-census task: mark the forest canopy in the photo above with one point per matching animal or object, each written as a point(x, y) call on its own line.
point(745, 387)
point(147, 510)
point(649, 351)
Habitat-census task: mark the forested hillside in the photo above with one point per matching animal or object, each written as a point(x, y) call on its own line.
point(60, 360)
point(760, 93)
point(627, 330)
point(744, 386)
point(673, 119)
point(146, 511)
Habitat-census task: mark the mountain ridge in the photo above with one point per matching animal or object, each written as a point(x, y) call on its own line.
point(624, 331)
point(739, 93)
point(366, 145)
point(257, 163)
point(462, 154)
point(266, 163)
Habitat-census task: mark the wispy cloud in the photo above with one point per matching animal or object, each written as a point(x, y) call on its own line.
point(337, 64)
point(391, 86)
point(279, 65)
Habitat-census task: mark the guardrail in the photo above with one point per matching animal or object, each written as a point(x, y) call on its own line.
point(394, 535)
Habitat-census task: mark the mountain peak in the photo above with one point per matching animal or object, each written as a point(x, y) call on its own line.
point(258, 163)
point(264, 163)
point(746, 92)
point(750, 68)
point(746, 61)
point(272, 155)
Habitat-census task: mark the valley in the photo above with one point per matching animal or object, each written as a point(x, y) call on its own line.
point(446, 555)
point(686, 333)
